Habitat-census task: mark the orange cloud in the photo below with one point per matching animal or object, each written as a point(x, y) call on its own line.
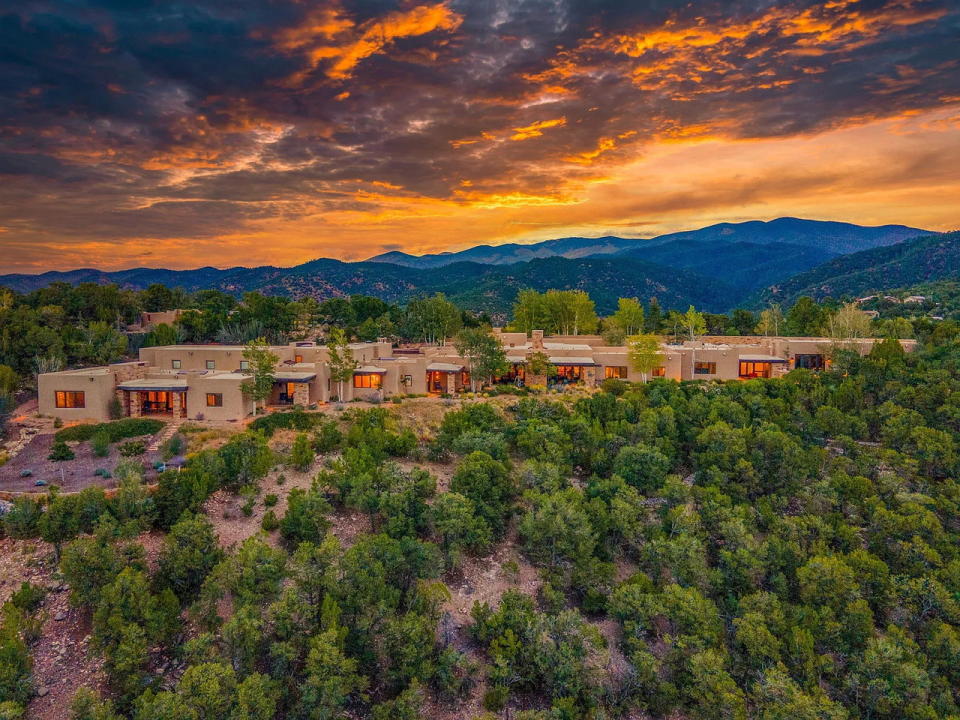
point(330, 36)
point(536, 129)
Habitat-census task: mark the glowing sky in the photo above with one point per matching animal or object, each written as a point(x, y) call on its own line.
point(216, 132)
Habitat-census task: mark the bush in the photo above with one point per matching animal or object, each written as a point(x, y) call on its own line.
point(60, 452)
point(174, 446)
point(22, 519)
point(328, 437)
point(28, 597)
point(270, 521)
point(292, 420)
point(270, 500)
point(302, 455)
point(614, 386)
point(117, 430)
point(115, 409)
point(133, 448)
point(100, 443)
point(103, 473)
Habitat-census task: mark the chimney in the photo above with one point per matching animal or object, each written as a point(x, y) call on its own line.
point(536, 337)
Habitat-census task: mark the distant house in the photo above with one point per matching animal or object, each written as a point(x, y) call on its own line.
point(149, 320)
point(915, 299)
point(205, 382)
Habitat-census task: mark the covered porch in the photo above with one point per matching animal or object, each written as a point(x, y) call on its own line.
point(446, 378)
point(573, 370)
point(164, 397)
point(760, 366)
point(291, 387)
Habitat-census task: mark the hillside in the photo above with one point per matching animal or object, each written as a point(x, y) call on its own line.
point(830, 238)
point(475, 286)
point(492, 288)
point(744, 265)
point(924, 259)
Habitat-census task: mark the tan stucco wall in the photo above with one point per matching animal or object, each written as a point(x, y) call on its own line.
point(97, 385)
point(236, 405)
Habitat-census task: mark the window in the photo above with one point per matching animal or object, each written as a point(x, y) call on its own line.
point(618, 371)
point(809, 362)
point(570, 373)
point(70, 399)
point(705, 368)
point(298, 358)
point(175, 364)
point(659, 372)
point(406, 380)
point(211, 365)
point(244, 364)
point(368, 380)
point(214, 399)
point(754, 369)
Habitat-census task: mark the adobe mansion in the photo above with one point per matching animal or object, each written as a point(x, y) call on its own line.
point(204, 382)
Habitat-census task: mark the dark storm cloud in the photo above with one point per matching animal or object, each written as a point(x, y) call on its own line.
point(181, 119)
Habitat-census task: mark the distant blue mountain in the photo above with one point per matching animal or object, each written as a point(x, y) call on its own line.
point(829, 238)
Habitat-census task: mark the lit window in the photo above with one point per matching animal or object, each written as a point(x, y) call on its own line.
point(368, 380)
point(211, 365)
point(298, 358)
point(214, 399)
point(659, 371)
point(619, 371)
point(175, 364)
point(244, 364)
point(70, 399)
point(705, 368)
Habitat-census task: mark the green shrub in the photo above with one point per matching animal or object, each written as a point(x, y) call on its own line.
point(60, 452)
point(115, 409)
point(116, 430)
point(302, 454)
point(174, 446)
point(614, 386)
point(133, 448)
point(28, 597)
point(293, 420)
point(100, 443)
point(270, 521)
point(22, 519)
point(270, 500)
point(328, 437)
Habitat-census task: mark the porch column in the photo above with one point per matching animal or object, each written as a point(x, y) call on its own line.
point(135, 404)
point(451, 383)
point(590, 376)
point(123, 398)
point(301, 394)
point(176, 404)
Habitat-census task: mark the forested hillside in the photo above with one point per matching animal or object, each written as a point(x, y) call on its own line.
point(924, 259)
point(767, 549)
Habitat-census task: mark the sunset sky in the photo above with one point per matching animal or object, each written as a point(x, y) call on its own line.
point(219, 132)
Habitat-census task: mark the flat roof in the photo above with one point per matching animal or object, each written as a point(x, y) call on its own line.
point(444, 367)
point(587, 361)
point(369, 370)
point(173, 384)
point(293, 376)
point(753, 357)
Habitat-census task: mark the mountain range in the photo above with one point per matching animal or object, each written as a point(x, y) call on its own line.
point(714, 268)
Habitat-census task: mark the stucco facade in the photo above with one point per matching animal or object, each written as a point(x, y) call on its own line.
point(205, 382)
